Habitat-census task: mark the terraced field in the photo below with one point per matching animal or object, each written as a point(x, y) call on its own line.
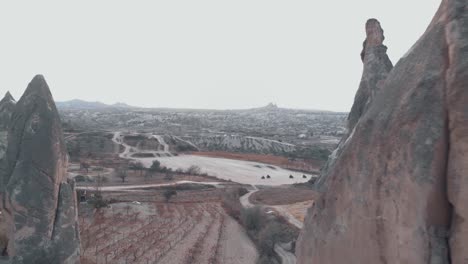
point(167, 233)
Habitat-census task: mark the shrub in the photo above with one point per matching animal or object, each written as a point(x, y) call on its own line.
point(193, 170)
point(98, 201)
point(169, 176)
point(155, 166)
point(268, 237)
point(80, 178)
point(252, 218)
point(231, 203)
point(168, 194)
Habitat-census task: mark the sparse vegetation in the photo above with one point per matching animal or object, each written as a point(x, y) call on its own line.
point(169, 193)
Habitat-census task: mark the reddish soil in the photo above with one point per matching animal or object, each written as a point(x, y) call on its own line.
point(282, 195)
point(286, 163)
point(158, 232)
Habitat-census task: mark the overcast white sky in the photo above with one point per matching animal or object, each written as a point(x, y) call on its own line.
point(200, 54)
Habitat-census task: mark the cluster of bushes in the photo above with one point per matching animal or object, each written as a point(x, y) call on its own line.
point(315, 153)
point(231, 202)
point(84, 178)
point(192, 170)
point(156, 167)
point(97, 201)
point(266, 231)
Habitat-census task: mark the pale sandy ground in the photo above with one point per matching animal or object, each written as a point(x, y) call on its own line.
point(245, 172)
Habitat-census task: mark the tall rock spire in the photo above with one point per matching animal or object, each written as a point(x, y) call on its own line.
point(7, 105)
point(397, 192)
point(377, 65)
point(38, 202)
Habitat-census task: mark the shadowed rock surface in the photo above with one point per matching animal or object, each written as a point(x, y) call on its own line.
point(7, 105)
point(397, 192)
point(38, 202)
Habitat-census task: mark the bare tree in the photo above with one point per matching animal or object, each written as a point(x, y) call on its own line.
point(122, 173)
point(85, 165)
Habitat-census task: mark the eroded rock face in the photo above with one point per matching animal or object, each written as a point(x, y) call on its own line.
point(7, 105)
point(397, 192)
point(38, 202)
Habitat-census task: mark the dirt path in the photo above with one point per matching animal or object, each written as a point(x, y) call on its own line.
point(118, 140)
point(286, 256)
point(244, 199)
point(236, 247)
point(129, 150)
point(161, 141)
point(141, 186)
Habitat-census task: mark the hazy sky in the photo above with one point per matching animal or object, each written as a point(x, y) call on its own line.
point(200, 54)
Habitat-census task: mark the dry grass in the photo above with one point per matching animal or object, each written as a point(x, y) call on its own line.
point(298, 210)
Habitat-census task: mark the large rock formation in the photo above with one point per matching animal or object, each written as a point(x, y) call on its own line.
point(7, 105)
point(397, 192)
point(38, 202)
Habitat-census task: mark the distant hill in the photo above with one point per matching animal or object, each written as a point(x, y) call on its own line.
point(77, 104)
point(81, 104)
